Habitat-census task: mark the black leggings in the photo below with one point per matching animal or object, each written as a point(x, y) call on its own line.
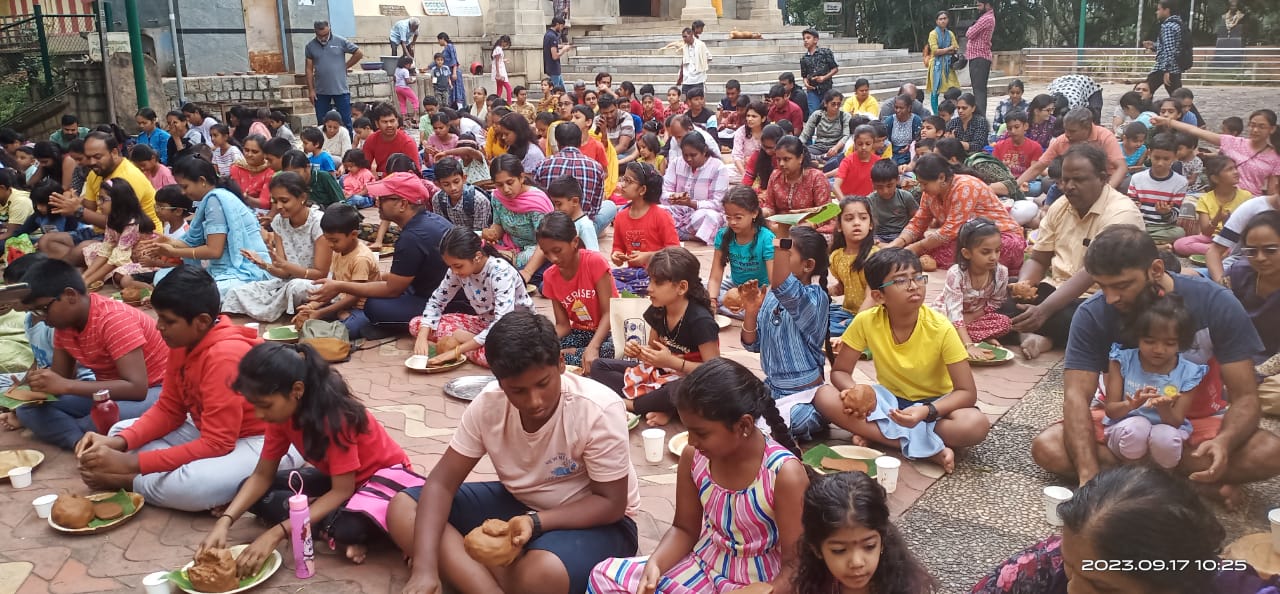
point(1156, 79)
point(610, 371)
point(348, 528)
point(1058, 326)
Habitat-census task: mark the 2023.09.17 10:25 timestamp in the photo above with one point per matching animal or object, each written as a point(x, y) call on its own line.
point(1163, 565)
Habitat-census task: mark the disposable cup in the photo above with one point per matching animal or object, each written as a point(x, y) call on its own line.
point(1053, 497)
point(1274, 516)
point(44, 505)
point(887, 472)
point(257, 330)
point(157, 583)
point(20, 477)
point(655, 442)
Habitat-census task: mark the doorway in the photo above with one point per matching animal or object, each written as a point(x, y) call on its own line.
point(641, 8)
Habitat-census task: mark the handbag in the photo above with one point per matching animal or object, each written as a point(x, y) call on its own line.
point(958, 62)
point(330, 339)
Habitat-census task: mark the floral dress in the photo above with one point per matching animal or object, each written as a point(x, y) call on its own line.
point(269, 299)
point(117, 248)
point(959, 298)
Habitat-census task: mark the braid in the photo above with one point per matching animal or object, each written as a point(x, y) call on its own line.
point(768, 410)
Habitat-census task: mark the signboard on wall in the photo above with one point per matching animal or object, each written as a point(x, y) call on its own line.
point(463, 8)
point(435, 8)
point(831, 7)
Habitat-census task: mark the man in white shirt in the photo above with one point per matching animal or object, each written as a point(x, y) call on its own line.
point(694, 63)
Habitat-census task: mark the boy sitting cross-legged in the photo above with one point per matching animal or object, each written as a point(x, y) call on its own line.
point(926, 395)
point(353, 261)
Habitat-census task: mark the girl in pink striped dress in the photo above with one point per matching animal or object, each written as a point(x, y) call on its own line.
point(739, 495)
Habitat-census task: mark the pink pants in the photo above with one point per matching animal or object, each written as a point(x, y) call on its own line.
point(502, 89)
point(1013, 249)
point(1192, 245)
point(992, 324)
point(453, 322)
point(1135, 437)
point(408, 99)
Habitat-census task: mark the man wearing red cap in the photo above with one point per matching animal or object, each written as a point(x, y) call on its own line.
point(417, 267)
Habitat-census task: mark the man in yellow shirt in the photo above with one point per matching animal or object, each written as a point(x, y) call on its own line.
point(926, 394)
point(102, 156)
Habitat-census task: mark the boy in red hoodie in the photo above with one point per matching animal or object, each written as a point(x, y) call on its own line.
point(196, 463)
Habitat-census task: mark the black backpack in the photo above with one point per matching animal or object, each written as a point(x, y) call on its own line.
point(1185, 59)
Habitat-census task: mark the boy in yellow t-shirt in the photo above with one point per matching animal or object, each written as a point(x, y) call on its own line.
point(926, 395)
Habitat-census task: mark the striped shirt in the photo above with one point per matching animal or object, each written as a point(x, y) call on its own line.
point(792, 327)
point(224, 159)
point(1148, 192)
point(113, 331)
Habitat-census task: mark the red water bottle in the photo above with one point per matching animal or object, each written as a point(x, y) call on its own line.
point(105, 412)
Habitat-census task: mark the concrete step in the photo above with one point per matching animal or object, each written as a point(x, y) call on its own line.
point(722, 26)
point(627, 42)
point(745, 62)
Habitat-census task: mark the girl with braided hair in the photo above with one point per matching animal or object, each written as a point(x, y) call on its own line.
point(739, 495)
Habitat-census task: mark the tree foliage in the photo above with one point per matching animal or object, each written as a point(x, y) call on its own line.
point(1028, 23)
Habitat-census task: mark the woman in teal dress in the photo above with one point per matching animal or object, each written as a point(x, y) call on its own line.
point(517, 214)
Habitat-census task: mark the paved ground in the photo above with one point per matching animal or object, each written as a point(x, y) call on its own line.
point(960, 524)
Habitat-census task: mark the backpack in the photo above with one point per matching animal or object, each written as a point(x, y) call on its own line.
point(329, 339)
point(1185, 59)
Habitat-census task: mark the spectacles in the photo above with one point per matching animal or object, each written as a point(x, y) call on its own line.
point(41, 311)
point(1253, 252)
point(919, 280)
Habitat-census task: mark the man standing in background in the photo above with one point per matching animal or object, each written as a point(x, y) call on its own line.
point(978, 50)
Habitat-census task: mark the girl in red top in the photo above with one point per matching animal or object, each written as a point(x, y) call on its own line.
point(253, 173)
point(308, 406)
point(797, 184)
point(579, 286)
point(642, 228)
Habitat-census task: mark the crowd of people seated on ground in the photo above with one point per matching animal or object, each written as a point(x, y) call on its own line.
point(1052, 230)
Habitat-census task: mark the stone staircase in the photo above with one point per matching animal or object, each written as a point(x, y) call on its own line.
point(630, 51)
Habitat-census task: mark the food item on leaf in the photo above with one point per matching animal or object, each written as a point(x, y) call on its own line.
point(107, 510)
point(928, 264)
point(447, 345)
point(131, 295)
point(490, 544)
point(72, 511)
point(859, 401)
point(214, 571)
point(844, 465)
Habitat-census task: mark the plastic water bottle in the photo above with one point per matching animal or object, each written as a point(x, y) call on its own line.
point(105, 411)
point(300, 528)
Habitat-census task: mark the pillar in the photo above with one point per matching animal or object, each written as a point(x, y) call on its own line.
point(523, 20)
point(695, 10)
point(760, 10)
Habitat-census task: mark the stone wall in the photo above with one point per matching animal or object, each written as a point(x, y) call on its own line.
point(257, 89)
point(285, 92)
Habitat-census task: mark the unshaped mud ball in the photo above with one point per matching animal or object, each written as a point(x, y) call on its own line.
point(214, 571)
point(859, 401)
point(490, 544)
point(72, 511)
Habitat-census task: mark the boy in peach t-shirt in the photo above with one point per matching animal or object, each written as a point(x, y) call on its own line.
point(565, 484)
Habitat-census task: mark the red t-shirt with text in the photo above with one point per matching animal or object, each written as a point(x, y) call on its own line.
point(578, 295)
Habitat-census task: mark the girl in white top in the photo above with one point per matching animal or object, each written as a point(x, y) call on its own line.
point(503, 87)
point(225, 154)
point(337, 140)
point(493, 287)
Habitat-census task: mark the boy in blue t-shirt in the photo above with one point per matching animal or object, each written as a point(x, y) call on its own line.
point(313, 146)
point(566, 194)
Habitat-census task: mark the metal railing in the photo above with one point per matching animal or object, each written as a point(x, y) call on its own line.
point(1212, 65)
point(33, 49)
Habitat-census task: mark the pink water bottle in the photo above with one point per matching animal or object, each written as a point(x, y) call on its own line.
point(300, 527)
point(105, 411)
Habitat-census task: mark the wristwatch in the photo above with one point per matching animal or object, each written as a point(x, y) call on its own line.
point(784, 243)
point(933, 413)
point(537, 524)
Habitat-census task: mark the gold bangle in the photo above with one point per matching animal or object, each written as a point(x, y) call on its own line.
point(751, 330)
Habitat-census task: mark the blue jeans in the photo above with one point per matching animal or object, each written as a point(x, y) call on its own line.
point(356, 323)
point(604, 217)
point(341, 103)
point(359, 201)
point(815, 101)
point(556, 81)
point(64, 421)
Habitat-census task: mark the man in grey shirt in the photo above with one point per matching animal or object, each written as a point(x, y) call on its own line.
point(886, 107)
point(327, 66)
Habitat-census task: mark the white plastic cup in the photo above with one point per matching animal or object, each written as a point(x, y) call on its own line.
point(1274, 516)
point(1055, 496)
point(887, 472)
point(257, 330)
point(44, 505)
point(20, 477)
point(655, 440)
point(157, 583)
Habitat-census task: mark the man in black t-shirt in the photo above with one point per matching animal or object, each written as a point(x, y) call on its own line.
point(554, 48)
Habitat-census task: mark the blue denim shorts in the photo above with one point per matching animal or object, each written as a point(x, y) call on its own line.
point(806, 422)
